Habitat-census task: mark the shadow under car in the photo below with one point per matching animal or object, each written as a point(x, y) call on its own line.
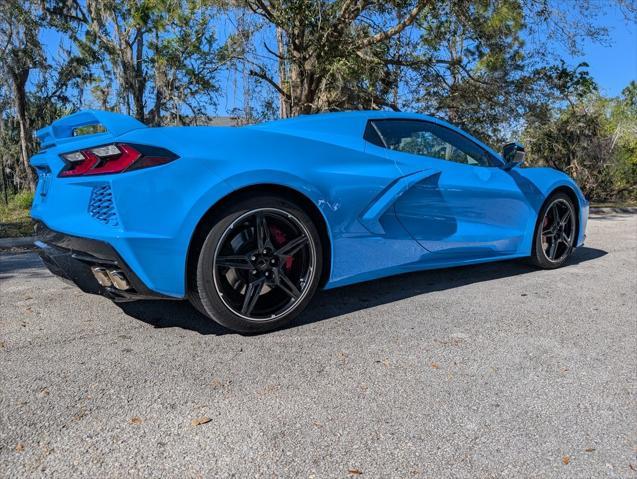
point(348, 299)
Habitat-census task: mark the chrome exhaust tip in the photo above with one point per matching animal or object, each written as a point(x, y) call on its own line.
point(118, 279)
point(102, 276)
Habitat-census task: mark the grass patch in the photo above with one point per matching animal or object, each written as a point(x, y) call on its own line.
point(14, 217)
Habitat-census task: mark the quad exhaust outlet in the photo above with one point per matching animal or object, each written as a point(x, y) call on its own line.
point(111, 277)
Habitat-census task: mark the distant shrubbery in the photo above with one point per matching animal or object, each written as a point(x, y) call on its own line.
point(14, 215)
point(594, 140)
point(21, 200)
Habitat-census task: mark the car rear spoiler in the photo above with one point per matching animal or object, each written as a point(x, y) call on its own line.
point(65, 129)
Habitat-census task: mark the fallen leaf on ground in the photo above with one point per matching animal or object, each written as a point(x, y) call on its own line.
point(632, 467)
point(80, 414)
point(566, 460)
point(589, 449)
point(47, 450)
point(136, 420)
point(343, 356)
point(200, 420)
point(354, 472)
point(19, 447)
point(435, 365)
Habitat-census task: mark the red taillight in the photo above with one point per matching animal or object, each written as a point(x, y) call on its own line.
point(114, 158)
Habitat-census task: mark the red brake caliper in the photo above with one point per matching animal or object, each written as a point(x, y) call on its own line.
point(279, 240)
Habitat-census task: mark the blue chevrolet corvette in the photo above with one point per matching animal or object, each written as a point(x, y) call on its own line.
point(248, 222)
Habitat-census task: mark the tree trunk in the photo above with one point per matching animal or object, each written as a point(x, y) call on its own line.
point(139, 86)
point(159, 99)
point(20, 97)
point(160, 81)
point(284, 104)
point(5, 193)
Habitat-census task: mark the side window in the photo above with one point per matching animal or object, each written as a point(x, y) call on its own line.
point(371, 135)
point(428, 139)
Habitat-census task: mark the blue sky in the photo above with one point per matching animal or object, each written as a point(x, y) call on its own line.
point(612, 66)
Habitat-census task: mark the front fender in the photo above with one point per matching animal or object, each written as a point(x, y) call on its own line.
point(537, 184)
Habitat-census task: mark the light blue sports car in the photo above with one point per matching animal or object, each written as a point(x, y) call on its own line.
point(248, 222)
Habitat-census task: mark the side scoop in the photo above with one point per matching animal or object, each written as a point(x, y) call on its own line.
point(371, 215)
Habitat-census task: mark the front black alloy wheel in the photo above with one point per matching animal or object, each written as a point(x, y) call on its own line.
point(556, 232)
point(259, 266)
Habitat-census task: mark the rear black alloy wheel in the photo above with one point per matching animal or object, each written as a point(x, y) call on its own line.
point(555, 233)
point(263, 264)
point(259, 266)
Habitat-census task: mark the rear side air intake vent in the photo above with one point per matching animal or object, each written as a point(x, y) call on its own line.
point(101, 205)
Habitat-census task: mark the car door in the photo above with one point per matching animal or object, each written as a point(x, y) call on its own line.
point(467, 206)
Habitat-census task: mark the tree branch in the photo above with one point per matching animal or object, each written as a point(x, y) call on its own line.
point(396, 29)
point(263, 76)
point(275, 54)
point(464, 69)
point(351, 10)
point(261, 8)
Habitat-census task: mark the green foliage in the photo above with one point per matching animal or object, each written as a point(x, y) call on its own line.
point(21, 200)
point(148, 57)
point(623, 128)
point(15, 219)
point(470, 66)
point(594, 140)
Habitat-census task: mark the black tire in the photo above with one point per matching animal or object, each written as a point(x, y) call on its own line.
point(223, 292)
point(547, 230)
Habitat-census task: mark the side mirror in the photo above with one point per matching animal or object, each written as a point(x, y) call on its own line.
point(513, 154)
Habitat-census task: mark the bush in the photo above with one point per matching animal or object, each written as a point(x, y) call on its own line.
point(15, 219)
point(21, 200)
point(594, 141)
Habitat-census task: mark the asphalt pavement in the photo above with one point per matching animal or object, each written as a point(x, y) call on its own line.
point(492, 371)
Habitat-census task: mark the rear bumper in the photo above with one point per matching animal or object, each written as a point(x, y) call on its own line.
point(72, 257)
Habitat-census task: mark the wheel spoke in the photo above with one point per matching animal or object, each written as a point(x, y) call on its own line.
point(556, 214)
point(553, 249)
point(238, 262)
point(566, 217)
point(287, 285)
point(566, 239)
point(293, 246)
point(262, 232)
point(253, 291)
point(548, 232)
